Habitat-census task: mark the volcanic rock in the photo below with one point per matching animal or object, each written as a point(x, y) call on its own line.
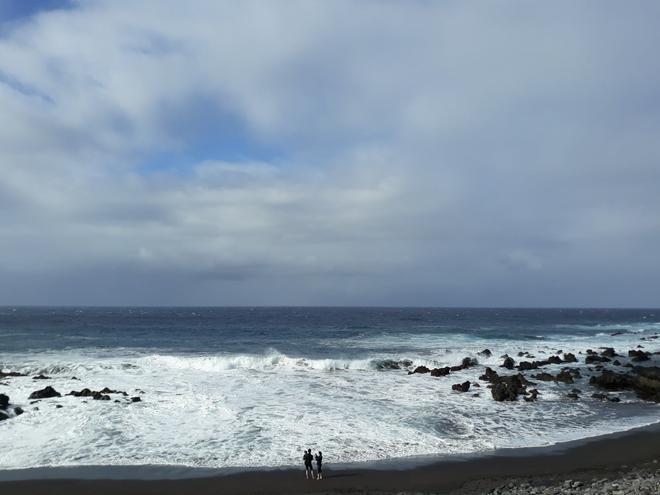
point(461, 387)
point(45, 393)
point(508, 363)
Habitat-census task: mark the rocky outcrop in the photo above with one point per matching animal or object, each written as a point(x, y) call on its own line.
point(419, 369)
point(508, 388)
point(639, 355)
point(644, 381)
point(440, 371)
point(486, 353)
point(45, 393)
point(461, 387)
point(96, 395)
point(508, 363)
point(9, 374)
point(41, 377)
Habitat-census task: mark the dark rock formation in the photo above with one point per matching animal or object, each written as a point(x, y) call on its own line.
point(508, 388)
point(4, 402)
point(508, 363)
point(461, 387)
point(41, 377)
point(440, 371)
point(570, 358)
point(638, 355)
point(544, 377)
point(489, 375)
point(95, 395)
point(608, 352)
point(45, 393)
point(9, 374)
point(419, 369)
point(595, 358)
point(573, 396)
point(486, 352)
point(136, 399)
point(533, 394)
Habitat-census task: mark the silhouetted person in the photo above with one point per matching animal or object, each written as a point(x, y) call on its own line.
point(307, 459)
point(319, 461)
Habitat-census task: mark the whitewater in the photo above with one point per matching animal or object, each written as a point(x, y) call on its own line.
point(244, 388)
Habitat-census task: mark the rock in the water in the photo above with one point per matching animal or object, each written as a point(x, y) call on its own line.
point(595, 358)
point(544, 377)
point(45, 393)
point(9, 374)
point(638, 355)
point(136, 399)
point(419, 369)
point(508, 388)
point(41, 377)
point(461, 387)
point(486, 352)
point(608, 352)
point(533, 394)
point(440, 371)
point(489, 375)
point(508, 363)
point(573, 396)
point(570, 358)
point(564, 376)
point(3, 416)
point(4, 401)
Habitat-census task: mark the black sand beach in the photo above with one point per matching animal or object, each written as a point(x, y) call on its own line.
point(596, 458)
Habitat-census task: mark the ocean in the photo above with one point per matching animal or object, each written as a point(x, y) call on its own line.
point(253, 387)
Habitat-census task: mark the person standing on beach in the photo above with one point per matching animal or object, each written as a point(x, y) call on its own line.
point(307, 459)
point(319, 461)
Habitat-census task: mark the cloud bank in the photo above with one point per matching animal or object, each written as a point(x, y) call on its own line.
point(342, 153)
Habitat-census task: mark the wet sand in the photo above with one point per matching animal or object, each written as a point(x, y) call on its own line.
point(595, 457)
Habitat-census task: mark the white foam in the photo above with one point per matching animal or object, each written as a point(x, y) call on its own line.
point(220, 410)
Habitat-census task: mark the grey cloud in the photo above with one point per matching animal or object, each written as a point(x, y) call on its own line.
point(432, 154)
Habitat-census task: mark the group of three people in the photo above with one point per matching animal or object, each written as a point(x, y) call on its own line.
point(309, 470)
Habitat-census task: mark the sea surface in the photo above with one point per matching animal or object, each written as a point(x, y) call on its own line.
point(252, 387)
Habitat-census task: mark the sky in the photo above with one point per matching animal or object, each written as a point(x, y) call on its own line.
point(404, 153)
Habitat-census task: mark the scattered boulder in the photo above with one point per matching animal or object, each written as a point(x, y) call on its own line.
point(9, 374)
point(595, 358)
point(573, 396)
point(41, 377)
point(614, 399)
point(3, 415)
point(489, 375)
point(599, 396)
point(570, 358)
point(508, 388)
point(136, 399)
point(18, 410)
point(564, 377)
point(608, 352)
point(440, 371)
point(461, 387)
point(4, 402)
point(486, 352)
point(419, 369)
point(508, 363)
point(533, 394)
point(638, 355)
point(544, 377)
point(45, 393)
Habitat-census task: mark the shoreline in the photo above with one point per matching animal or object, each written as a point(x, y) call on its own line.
point(457, 473)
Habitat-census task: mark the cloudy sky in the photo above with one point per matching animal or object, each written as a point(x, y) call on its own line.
point(330, 153)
